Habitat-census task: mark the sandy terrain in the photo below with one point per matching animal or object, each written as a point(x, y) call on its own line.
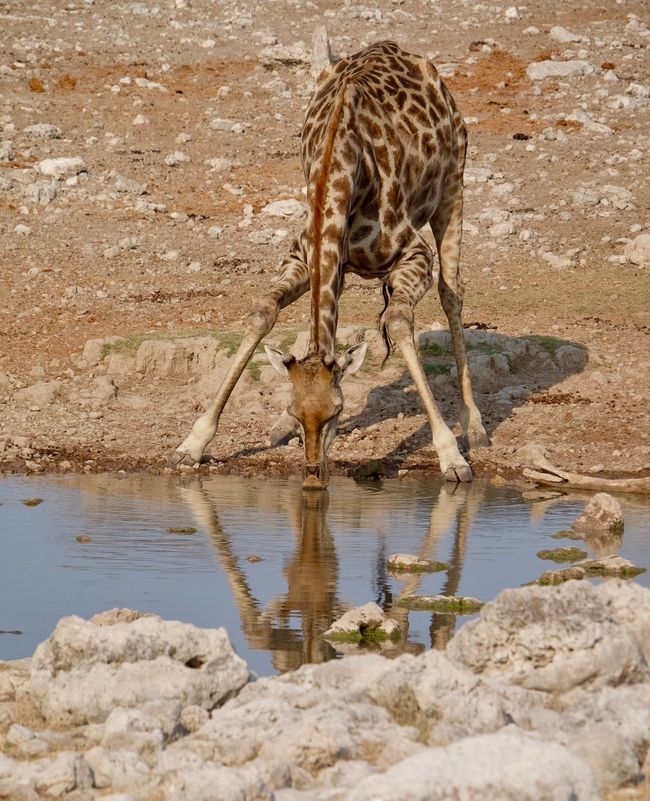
point(186, 119)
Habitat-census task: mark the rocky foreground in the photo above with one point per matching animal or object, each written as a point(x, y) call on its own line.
point(545, 696)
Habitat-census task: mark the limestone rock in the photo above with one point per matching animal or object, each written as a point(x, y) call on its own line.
point(638, 250)
point(96, 349)
point(551, 639)
point(602, 513)
point(285, 208)
point(82, 671)
point(540, 70)
point(62, 167)
point(363, 622)
point(41, 393)
point(506, 766)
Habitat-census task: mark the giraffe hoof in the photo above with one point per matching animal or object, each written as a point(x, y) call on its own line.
point(458, 473)
point(476, 439)
point(177, 458)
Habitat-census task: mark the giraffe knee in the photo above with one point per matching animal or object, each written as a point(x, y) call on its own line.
point(261, 319)
point(399, 323)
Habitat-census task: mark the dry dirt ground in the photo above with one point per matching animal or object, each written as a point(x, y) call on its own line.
point(186, 116)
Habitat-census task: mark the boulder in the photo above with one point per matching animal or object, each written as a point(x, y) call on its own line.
point(42, 393)
point(506, 766)
point(83, 671)
point(551, 639)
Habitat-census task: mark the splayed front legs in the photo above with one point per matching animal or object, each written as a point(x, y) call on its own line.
point(293, 283)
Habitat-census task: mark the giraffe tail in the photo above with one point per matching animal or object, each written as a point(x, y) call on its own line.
point(386, 292)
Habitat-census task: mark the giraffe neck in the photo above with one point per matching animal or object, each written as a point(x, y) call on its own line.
point(330, 191)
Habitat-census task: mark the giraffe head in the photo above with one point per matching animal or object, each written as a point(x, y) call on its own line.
point(316, 403)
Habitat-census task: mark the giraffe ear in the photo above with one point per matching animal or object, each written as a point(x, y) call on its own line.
point(353, 358)
point(277, 359)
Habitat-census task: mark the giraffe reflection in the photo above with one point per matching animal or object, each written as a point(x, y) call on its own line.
point(453, 510)
point(312, 572)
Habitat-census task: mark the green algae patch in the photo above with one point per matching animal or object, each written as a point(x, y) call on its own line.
point(610, 567)
point(442, 603)
point(32, 501)
point(405, 563)
point(366, 634)
point(552, 578)
point(182, 530)
point(569, 554)
point(566, 534)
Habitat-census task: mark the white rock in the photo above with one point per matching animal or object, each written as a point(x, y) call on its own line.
point(512, 13)
point(638, 250)
point(83, 671)
point(540, 70)
point(561, 34)
point(7, 152)
point(602, 513)
point(219, 164)
point(62, 167)
point(637, 90)
point(285, 208)
point(475, 769)
point(43, 130)
point(363, 618)
point(220, 124)
point(176, 158)
point(39, 192)
point(321, 56)
point(589, 647)
point(577, 115)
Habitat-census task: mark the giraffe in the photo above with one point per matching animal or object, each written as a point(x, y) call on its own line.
point(383, 152)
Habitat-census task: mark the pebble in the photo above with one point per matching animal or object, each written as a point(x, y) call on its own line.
point(176, 158)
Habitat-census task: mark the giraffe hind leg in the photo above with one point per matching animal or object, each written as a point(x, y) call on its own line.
point(446, 225)
point(410, 279)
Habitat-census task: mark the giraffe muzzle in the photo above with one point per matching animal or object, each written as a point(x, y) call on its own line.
point(313, 477)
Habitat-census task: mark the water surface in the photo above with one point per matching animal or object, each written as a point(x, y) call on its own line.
point(272, 564)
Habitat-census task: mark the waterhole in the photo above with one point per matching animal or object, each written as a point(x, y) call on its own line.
point(273, 564)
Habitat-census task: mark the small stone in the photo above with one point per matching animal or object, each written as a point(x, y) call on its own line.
point(563, 35)
point(602, 513)
point(611, 566)
point(638, 250)
point(364, 623)
point(43, 130)
point(83, 538)
point(554, 577)
point(540, 70)
point(285, 208)
point(62, 167)
point(448, 604)
point(568, 554)
point(404, 562)
point(512, 13)
point(176, 158)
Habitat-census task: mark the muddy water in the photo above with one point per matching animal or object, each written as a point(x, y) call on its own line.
point(272, 564)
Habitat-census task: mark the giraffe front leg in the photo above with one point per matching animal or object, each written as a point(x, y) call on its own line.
point(410, 280)
point(293, 284)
